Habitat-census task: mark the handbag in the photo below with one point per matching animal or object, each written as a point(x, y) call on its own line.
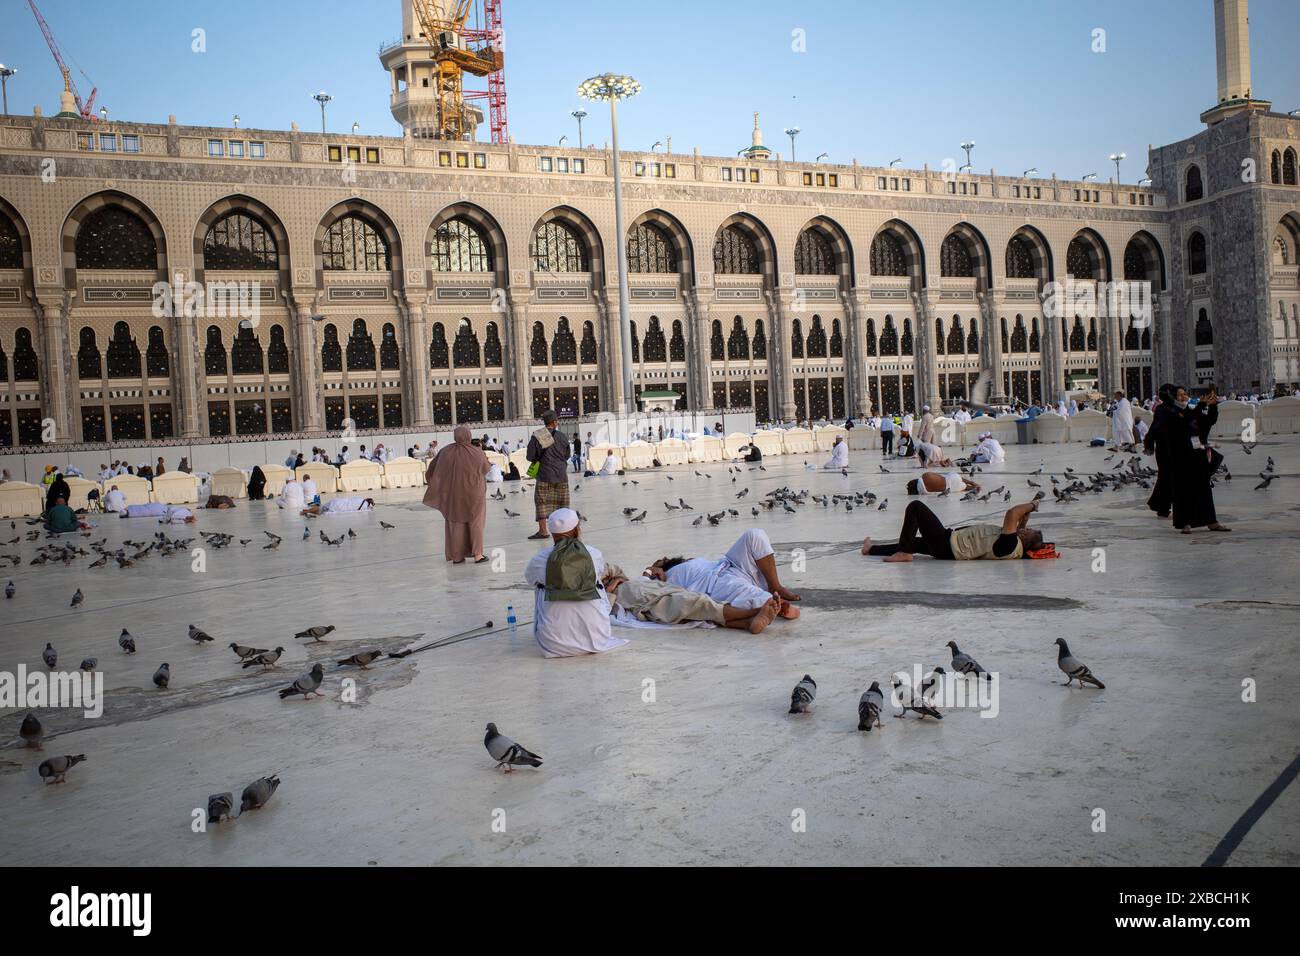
point(533, 469)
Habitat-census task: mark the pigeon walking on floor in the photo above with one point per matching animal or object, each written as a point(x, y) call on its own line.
point(198, 636)
point(32, 732)
point(162, 676)
point(802, 696)
point(220, 807)
point(963, 663)
point(265, 658)
point(54, 769)
point(908, 699)
point(77, 599)
point(257, 793)
point(243, 652)
point(869, 707)
point(316, 634)
point(363, 659)
point(126, 641)
point(89, 663)
point(1074, 668)
point(10, 591)
point(307, 684)
point(506, 752)
point(50, 655)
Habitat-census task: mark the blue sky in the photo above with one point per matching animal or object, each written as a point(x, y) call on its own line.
point(877, 81)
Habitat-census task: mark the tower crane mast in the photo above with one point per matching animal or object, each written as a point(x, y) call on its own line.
point(85, 109)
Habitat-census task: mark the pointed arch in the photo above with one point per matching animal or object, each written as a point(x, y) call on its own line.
point(965, 254)
point(357, 233)
point(896, 250)
point(565, 240)
point(671, 231)
point(465, 237)
point(824, 248)
point(1144, 260)
point(742, 245)
point(240, 229)
point(111, 217)
point(1088, 256)
point(1029, 256)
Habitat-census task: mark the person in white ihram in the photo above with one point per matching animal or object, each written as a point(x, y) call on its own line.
point(309, 489)
point(114, 501)
point(611, 465)
point(1121, 421)
point(839, 455)
point(562, 625)
point(988, 451)
point(293, 496)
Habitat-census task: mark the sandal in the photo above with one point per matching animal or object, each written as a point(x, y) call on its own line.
point(538, 536)
point(480, 559)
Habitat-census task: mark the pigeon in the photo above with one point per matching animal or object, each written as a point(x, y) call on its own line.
point(89, 663)
point(31, 731)
point(672, 507)
point(1032, 484)
point(801, 697)
point(681, 503)
point(220, 806)
point(883, 469)
point(257, 793)
point(869, 707)
point(243, 542)
point(265, 658)
point(306, 684)
point(510, 514)
point(697, 521)
point(199, 637)
point(10, 590)
point(1268, 480)
point(77, 599)
point(244, 652)
point(914, 703)
point(963, 663)
point(162, 676)
point(506, 752)
point(931, 683)
point(352, 534)
point(640, 517)
point(50, 655)
point(1074, 668)
point(306, 533)
point(386, 526)
point(316, 633)
point(54, 769)
point(126, 641)
point(272, 546)
point(363, 659)
point(272, 535)
point(883, 505)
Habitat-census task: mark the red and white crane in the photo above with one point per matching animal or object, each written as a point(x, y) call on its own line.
point(85, 109)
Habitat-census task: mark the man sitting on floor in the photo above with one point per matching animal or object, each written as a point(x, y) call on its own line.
point(743, 577)
point(570, 608)
point(924, 533)
point(59, 518)
point(114, 500)
point(988, 451)
point(650, 600)
point(839, 455)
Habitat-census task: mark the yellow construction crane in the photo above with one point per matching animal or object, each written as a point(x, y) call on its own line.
point(443, 24)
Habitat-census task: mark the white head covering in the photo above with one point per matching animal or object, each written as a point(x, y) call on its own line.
point(562, 520)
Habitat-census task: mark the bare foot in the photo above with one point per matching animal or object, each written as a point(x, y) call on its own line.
point(1218, 527)
point(866, 544)
point(788, 594)
point(788, 611)
point(1187, 529)
point(765, 616)
point(898, 557)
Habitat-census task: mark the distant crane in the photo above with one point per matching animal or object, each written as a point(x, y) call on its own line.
point(85, 109)
point(443, 24)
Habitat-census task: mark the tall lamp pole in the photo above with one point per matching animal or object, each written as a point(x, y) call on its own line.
point(322, 98)
point(5, 73)
point(1117, 158)
point(792, 132)
point(613, 87)
point(968, 146)
point(579, 114)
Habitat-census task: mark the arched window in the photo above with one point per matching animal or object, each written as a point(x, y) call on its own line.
point(277, 353)
point(1035, 343)
point(557, 247)
point(677, 344)
point(939, 340)
point(813, 255)
point(1081, 259)
point(871, 337)
point(1092, 335)
point(956, 338)
point(636, 344)
point(650, 250)
point(906, 340)
point(1135, 264)
point(1077, 336)
point(537, 347)
point(656, 346)
point(25, 368)
point(887, 258)
point(11, 245)
point(717, 348)
point(1193, 189)
point(954, 258)
point(1019, 340)
point(331, 353)
point(439, 354)
point(817, 339)
point(1020, 259)
point(246, 352)
point(1204, 331)
point(564, 348)
point(888, 337)
point(1275, 168)
point(464, 347)
point(353, 244)
point(459, 246)
point(1289, 167)
point(973, 339)
point(214, 353)
point(239, 241)
point(837, 340)
point(1196, 255)
point(587, 347)
point(361, 348)
point(796, 339)
point(156, 358)
point(88, 364)
point(759, 345)
point(734, 253)
point(389, 355)
point(113, 238)
point(492, 347)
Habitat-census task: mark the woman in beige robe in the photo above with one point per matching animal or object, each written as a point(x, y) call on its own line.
point(457, 488)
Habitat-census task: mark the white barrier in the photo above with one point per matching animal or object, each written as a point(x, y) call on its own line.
point(18, 499)
point(404, 472)
point(325, 476)
point(230, 482)
point(359, 475)
point(176, 488)
point(706, 448)
point(798, 441)
point(673, 451)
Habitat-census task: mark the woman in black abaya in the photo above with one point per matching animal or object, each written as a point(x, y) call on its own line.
point(1189, 462)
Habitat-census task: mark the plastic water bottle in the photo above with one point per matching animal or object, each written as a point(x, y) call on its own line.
point(511, 621)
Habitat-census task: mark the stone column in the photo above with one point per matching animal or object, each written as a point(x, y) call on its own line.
point(780, 374)
point(1053, 353)
point(699, 366)
point(611, 349)
point(927, 358)
point(991, 343)
point(519, 397)
point(1162, 316)
point(416, 390)
point(855, 368)
point(188, 385)
point(1109, 370)
point(307, 399)
point(53, 309)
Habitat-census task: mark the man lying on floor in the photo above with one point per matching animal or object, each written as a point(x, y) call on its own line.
point(166, 514)
point(338, 506)
point(924, 533)
point(744, 577)
point(647, 599)
point(939, 482)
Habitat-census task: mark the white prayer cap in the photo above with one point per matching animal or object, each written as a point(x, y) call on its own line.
point(562, 520)
point(984, 435)
point(925, 408)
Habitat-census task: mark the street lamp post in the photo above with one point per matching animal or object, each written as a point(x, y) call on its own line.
point(792, 132)
point(236, 121)
point(578, 114)
point(1032, 170)
point(322, 98)
point(968, 146)
point(5, 73)
point(1116, 158)
point(612, 87)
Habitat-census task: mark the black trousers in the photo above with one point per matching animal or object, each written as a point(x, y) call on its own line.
point(923, 533)
point(886, 442)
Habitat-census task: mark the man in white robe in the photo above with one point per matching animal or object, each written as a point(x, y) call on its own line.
point(610, 467)
point(839, 455)
point(114, 501)
point(743, 577)
point(293, 496)
point(568, 628)
point(1121, 421)
point(989, 450)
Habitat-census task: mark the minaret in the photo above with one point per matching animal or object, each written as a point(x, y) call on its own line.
point(756, 149)
point(1232, 55)
point(413, 96)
